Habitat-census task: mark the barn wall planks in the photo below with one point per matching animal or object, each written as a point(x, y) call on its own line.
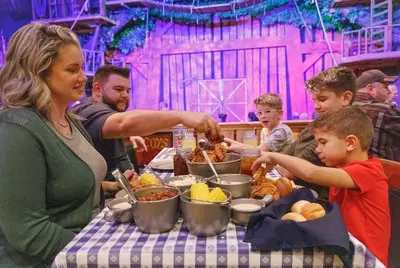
point(197, 67)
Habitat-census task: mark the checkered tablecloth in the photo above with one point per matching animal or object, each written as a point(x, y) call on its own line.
point(103, 244)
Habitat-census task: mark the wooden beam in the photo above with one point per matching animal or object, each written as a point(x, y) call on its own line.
point(208, 9)
point(83, 20)
point(349, 3)
point(161, 31)
point(140, 70)
point(319, 47)
point(295, 74)
point(220, 46)
point(239, 44)
point(376, 60)
point(311, 60)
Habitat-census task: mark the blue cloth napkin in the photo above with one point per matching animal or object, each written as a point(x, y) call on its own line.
point(265, 230)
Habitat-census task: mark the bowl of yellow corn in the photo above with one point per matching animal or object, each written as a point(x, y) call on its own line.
point(206, 211)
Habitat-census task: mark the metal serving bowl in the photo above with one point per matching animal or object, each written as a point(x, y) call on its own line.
point(205, 219)
point(185, 187)
point(122, 215)
point(241, 216)
point(237, 184)
point(231, 165)
point(155, 216)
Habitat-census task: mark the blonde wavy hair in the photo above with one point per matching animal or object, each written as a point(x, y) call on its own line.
point(31, 52)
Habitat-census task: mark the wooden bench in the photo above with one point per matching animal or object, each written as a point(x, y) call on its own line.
point(392, 170)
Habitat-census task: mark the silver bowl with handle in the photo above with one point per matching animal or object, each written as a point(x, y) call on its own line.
point(206, 218)
point(238, 185)
point(151, 216)
point(242, 208)
point(120, 210)
point(156, 216)
point(230, 165)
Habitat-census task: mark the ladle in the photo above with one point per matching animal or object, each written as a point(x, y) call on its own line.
point(211, 165)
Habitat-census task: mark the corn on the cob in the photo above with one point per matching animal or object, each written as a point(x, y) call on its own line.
point(199, 191)
point(217, 195)
point(147, 178)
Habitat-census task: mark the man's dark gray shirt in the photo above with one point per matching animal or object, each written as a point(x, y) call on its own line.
point(94, 115)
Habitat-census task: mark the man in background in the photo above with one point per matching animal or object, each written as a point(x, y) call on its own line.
point(372, 97)
point(108, 122)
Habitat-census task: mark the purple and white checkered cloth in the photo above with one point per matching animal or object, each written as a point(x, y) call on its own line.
point(103, 244)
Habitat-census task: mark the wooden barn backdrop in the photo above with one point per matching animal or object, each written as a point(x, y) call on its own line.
point(223, 66)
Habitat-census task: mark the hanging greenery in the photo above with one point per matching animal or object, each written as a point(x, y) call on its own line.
point(131, 31)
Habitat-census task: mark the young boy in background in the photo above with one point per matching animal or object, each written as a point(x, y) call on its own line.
point(331, 90)
point(275, 136)
point(358, 183)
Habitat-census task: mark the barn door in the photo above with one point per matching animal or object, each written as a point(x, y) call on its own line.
point(223, 96)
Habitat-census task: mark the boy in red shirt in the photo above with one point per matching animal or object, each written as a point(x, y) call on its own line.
point(358, 182)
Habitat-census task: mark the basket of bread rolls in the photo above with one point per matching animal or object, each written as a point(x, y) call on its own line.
point(296, 220)
point(304, 210)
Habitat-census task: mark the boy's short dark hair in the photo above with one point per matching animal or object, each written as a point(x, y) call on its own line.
point(103, 73)
point(345, 122)
point(335, 79)
point(270, 99)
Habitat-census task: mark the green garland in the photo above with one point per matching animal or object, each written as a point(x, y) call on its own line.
point(269, 12)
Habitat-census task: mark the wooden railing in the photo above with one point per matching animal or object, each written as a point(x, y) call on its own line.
point(53, 9)
point(156, 142)
point(368, 41)
point(94, 59)
point(236, 131)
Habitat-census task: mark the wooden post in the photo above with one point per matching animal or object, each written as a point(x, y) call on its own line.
point(296, 75)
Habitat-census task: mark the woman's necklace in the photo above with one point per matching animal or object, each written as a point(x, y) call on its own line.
point(63, 124)
point(65, 130)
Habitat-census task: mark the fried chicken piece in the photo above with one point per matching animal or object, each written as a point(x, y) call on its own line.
point(220, 152)
point(214, 139)
point(259, 175)
point(196, 155)
point(262, 190)
point(134, 183)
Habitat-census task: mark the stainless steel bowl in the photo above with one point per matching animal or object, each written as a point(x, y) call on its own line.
point(154, 217)
point(237, 184)
point(185, 187)
point(231, 165)
point(241, 216)
point(205, 219)
point(118, 214)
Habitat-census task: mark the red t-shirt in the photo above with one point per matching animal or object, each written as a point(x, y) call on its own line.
point(366, 210)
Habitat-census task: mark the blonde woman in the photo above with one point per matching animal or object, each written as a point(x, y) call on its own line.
point(50, 174)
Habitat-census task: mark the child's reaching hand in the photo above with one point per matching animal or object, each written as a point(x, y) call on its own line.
point(234, 146)
point(264, 160)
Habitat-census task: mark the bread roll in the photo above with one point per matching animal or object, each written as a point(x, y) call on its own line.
point(296, 207)
point(294, 217)
point(312, 211)
point(284, 186)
